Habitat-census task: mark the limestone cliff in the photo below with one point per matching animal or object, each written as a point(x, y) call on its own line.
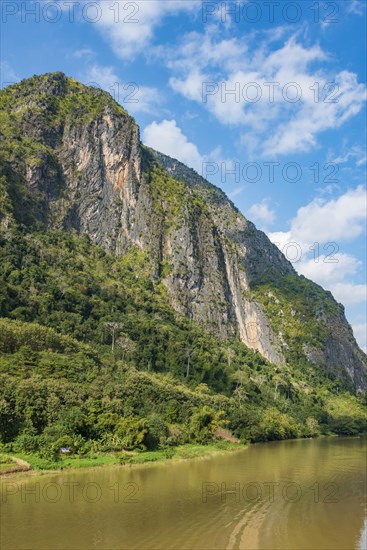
point(72, 159)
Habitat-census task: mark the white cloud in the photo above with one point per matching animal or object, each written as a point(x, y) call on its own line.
point(329, 269)
point(83, 52)
point(207, 51)
point(336, 220)
point(102, 76)
point(356, 6)
point(169, 139)
point(265, 109)
point(332, 270)
point(132, 96)
point(360, 333)
point(349, 293)
point(8, 75)
point(141, 99)
point(291, 58)
point(355, 152)
point(236, 191)
point(299, 133)
point(130, 26)
point(316, 231)
point(191, 87)
point(199, 58)
point(262, 213)
point(281, 238)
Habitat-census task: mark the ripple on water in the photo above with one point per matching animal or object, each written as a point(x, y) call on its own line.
point(173, 512)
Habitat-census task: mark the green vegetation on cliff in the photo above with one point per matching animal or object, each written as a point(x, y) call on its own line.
point(165, 383)
point(94, 354)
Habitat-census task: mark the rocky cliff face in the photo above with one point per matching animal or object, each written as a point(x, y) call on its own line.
point(72, 159)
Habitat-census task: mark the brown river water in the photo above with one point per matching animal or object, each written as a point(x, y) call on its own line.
point(303, 494)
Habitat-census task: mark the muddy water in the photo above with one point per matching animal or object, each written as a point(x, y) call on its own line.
point(307, 494)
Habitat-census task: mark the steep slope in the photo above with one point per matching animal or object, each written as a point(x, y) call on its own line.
point(309, 323)
point(72, 160)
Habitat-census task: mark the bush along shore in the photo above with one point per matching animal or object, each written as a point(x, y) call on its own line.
point(59, 393)
point(32, 463)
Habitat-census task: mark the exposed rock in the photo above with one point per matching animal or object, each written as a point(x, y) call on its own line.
point(89, 172)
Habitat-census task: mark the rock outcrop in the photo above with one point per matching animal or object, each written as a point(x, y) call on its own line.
point(72, 159)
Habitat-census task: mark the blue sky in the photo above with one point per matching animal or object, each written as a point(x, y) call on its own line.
point(266, 99)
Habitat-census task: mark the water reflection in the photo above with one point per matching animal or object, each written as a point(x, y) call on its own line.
point(287, 495)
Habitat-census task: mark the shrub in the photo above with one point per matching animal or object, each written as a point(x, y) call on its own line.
point(26, 442)
point(276, 425)
point(312, 426)
point(204, 423)
point(132, 432)
point(157, 432)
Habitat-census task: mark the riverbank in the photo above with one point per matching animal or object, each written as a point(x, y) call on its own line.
point(264, 496)
point(34, 465)
point(12, 464)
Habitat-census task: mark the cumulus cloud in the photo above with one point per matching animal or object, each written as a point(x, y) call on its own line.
point(82, 53)
point(129, 26)
point(356, 153)
point(277, 93)
point(131, 95)
point(169, 139)
point(313, 242)
point(349, 293)
point(312, 245)
point(326, 100)
point(356, 7)
point(262, 213)
point(192, 86)
point(236, 191)
point(337, 220)
point(299, 133)
point(360, 333)
point(329, 269)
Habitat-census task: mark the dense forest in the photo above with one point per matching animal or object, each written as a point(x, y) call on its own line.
point(93, 358)
point(119, 296)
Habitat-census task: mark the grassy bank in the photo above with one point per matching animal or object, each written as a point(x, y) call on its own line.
point(10, 464)
point(181, 452)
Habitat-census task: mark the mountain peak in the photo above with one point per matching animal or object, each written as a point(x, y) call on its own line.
point(72, 160)
point(58, 96)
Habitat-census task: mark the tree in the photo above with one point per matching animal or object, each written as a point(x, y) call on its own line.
point(312, 426)
point(204, 423)
point(189, 353)
point(132, 432)
point(113, 328)
point(127, 345)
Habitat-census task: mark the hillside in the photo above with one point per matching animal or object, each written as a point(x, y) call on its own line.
point(136, 300)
